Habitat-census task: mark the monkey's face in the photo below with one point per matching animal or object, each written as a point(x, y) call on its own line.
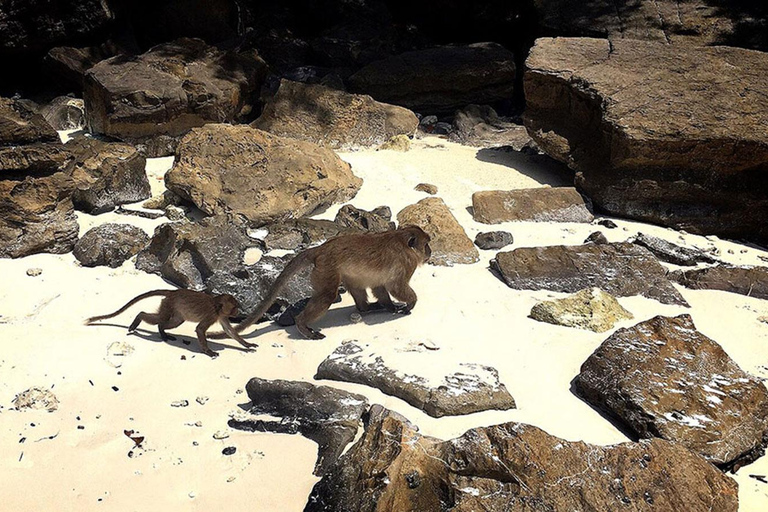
point(419, 240)
point(229, 306)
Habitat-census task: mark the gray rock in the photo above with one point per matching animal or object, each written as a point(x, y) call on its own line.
point(481, 126)
point(299, 234)
point(596, 238)
point(110, 245)
point(557, 204)
point(354, 218)
point(493, 240)
point(747, 280)
point(672, 253)
point(64, 113)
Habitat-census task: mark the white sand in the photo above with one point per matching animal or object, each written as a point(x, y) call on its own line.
point(465, 311)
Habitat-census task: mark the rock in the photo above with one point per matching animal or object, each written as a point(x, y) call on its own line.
point(493, 240)
point(397, 143)
point(672, 253)
point(655, 145)
point(331, 118)
point(621, 269)
point(353, 218)
point(596, 238)
point(299, 234)
point(110, 245)
point(558, 204)
point(162, 201)
point(154, 98)
point(471, 388)
point(220, 435)
point(229, 450)
point(514, 467)
point(450, 244)
point(180, 403)
point(591, 309)
point(691, 392)
point(481, 126)
point(426, 187)
point(187, 254)
point(175, 213)
point(36, 398)
point(34, 272)
point(68, 65)
point(64, 113)
point(328, 416)
point(608, 223)
point(116, 351)
point(106, 174)
point(440, 80)
point(383, 211)
point(266, 179)
point(747, 280)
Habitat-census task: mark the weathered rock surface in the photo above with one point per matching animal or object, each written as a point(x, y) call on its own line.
point(747, 280)
point(110, 244)
point(299, 234)
point(621, 269)
point(187, 254)
point(481, 126)
point(493, 240)
point(514, 467)
point(440, 79)
point(153, 99)
point(659, 133)
point(332, 118)
point(262, 177)
point(557, 204)
point(328, 416)
point(64, 113)
point(354, 218)
point(471, 388)
point(665, 379)
point(450, 244)
point(590, 308)
point(397, 143)
point(672, 253)
point(106, 174)
point(596, 237)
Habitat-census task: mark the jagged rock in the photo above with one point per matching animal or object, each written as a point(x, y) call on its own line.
point(647, 139)
point(106, 174)
point(110, 245)
point(187, 253)
point(354, 218)
point(330, 417)
point(450, 244)
point(558, 204)
point(162, 201)
point(440, 79)
point(262, 177)
point(690, 392)
point(299, 234)
point(608, 223)
point(493, 240)
point(36, 398)
point(591, 309)
point(481, 126)
point(427, 188)
point(332, 118)
point(64, 113)
point(672, 253)
point(471, 388)
point(621, 269)
point(514, 467)
point(747, 280)
point(68, 64)
point(596, 238)
point(155, 98)
point(397, 143)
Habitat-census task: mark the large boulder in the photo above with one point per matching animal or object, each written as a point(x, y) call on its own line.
point(514, 467)
point(440, 80)
point(621, 269)
point(332, 118)
point(544, 204)
point(257, 175)
point(747, 280)
point(658, 133)
point(109, 245)
point(690, 392)
point(153, 99)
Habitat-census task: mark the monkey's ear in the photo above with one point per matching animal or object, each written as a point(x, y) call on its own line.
point(412, 241)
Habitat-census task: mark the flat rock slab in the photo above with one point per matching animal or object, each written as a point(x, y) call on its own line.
point(110, 245)
point(514, 467)
point(332, 118)
point(471, 388)
point(673, 253)
point(557, 204)
point(262, 177)
point(621, 269)
point(665, 379)
point(749, 280)
point(660, 133)
point(591, 309)
point(450, 244)
point(330, 417)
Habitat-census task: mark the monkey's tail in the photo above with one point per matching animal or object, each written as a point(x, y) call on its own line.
point(292, 268)
point(133, 301)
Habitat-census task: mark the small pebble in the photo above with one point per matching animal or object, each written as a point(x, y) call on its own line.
point(231, 479)
point(355, 318)
point(608, 223)
point(180, 403)
point(195, 443)
point(115, 388)
point(192, 495)
point(426, 187)
point(34, 272)
point(80, 427)
point(229, 450)
point(202, 400)
point(221, 434)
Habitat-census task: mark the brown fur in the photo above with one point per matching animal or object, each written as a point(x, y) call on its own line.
point(381, 262)
point(179, 306)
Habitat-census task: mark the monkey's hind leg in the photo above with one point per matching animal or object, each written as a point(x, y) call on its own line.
point(325, 290)
point(171, 323)
point(150, 318)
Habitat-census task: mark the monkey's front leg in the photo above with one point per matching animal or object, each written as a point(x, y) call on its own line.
point(201, 330)
point(234, 335)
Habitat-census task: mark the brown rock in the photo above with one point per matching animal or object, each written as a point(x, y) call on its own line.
point(265, 178)
point(400, 143)
point(690, 392)
point(559, 204)
point(657, 133)
point(354, 218)
point(621, 269)
point(450, 243)
point(748, 280)
point(332, 118)
point(64, 113)
point(481, 126)
point(426, 187)
point(299, 234)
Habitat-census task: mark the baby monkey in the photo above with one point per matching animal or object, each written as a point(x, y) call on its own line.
point(179, 306)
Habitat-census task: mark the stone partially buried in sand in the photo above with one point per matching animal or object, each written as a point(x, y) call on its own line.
point(591, 309)
point(666, 379)
point(558, 204)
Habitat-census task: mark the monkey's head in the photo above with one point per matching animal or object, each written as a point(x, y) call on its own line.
point(228, 305)
point(418, 240)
